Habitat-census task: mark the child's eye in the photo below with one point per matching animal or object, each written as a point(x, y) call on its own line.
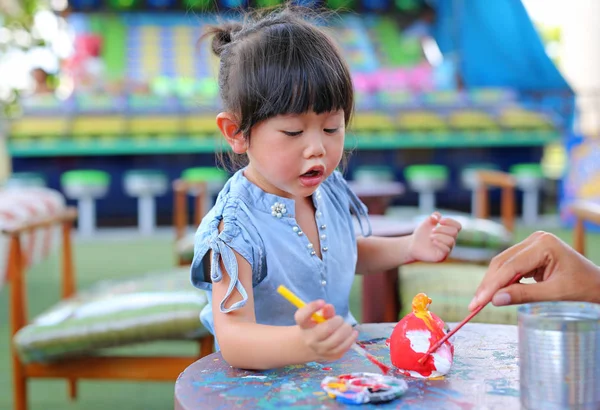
point(292, 133)
point(330, 130)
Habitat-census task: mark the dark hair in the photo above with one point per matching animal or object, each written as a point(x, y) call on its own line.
point(278, 62)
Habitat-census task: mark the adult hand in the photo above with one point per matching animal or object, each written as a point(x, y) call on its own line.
point(561, 273)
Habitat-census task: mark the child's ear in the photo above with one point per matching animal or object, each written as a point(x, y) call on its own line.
point(228, 124)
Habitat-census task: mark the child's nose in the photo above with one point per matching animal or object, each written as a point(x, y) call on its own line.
point(315, 147)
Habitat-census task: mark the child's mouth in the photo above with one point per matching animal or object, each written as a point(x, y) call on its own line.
point(312, 173)
point(312, 177)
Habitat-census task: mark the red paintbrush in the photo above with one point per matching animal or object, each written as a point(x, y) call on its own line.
point(461, 324)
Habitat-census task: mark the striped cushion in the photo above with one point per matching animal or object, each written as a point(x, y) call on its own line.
point(18, 205)
point(451, 287)
point(157, 306)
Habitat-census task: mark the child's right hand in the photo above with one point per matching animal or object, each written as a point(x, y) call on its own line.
point(329, 340)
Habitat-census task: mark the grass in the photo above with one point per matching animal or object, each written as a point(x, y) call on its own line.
point(103, 259)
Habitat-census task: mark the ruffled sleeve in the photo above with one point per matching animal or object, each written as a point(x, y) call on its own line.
point(237, 235)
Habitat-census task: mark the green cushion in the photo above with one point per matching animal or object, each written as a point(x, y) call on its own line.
point(87, 177)
point(529, 170)
point(156, 306)
point(426, 172)
point(451, 288)
point(203, 174)
point(483, 233)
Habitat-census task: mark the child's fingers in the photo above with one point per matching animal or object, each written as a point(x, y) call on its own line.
point(435, 217)
point(446, 230)
point(303, 316)
point(343, 347)
point(342, 333)
point(324, 330)
point(444, 239)
point(442, 246)
point(328, 311)
point(451, 222)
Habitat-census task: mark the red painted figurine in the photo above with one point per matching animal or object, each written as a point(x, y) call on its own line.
point(413, 336)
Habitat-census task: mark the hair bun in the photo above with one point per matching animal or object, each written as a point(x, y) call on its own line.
point(222, 36)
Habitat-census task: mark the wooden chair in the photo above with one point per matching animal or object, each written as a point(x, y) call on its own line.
point(152, 368)
point(491, 179)
point(184, 242)
point(497, 179)
point(584, 211)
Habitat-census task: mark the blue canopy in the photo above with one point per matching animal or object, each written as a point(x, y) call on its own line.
point(496, 44)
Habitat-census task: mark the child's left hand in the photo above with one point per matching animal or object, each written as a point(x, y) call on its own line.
point(434, 238)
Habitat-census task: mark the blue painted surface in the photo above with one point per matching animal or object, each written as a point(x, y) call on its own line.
point(485, 374)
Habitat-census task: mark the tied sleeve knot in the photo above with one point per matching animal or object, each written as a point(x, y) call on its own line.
point(220, 250)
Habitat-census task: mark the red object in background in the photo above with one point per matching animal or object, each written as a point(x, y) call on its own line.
point(87, 46)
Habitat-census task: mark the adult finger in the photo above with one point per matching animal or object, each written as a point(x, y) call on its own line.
point(488, 285)
point(527, 293)
point(525, 260)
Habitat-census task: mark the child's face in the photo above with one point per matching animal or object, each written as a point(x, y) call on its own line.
point(291, 155)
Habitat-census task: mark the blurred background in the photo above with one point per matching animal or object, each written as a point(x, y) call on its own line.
point(121, 85)
point(107, 105)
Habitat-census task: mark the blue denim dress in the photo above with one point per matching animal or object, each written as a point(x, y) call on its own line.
point(262, 228)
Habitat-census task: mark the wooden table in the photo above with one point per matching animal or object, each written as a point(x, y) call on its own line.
point(485, 375)
point(377, 196)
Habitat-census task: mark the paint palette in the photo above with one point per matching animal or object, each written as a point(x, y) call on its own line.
point(361, 388)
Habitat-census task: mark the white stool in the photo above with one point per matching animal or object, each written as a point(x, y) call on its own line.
point(25, 180)
point(85, 186)
point(529, 179)
point(146, 185)
point(426, 180)
point(372, 174)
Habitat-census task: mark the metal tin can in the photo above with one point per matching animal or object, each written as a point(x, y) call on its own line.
point(559, 350)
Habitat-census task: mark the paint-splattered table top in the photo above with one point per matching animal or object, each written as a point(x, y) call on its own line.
point(485, 375)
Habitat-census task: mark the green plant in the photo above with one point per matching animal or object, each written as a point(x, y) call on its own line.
point(16, 34)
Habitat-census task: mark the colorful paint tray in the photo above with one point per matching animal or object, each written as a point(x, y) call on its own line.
point(362, 388)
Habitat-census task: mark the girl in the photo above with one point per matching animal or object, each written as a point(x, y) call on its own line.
point(285, 217)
